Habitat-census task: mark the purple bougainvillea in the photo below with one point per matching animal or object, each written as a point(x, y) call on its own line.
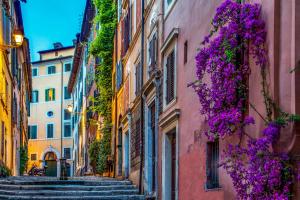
point(222, 69)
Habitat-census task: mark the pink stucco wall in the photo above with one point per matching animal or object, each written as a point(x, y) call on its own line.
point(192, 17)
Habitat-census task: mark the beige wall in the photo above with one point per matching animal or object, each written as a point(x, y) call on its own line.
point(39, 110)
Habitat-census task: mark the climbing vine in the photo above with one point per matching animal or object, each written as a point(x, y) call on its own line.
point(23, 159)
point(222, 69)
point(102, 47)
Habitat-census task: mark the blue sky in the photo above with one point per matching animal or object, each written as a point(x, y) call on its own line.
point(49, 21)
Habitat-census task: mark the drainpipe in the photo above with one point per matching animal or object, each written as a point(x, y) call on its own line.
point(142, 100)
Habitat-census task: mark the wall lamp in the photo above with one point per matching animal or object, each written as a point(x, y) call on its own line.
point(17, 37)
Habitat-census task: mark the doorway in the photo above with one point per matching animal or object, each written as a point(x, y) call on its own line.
point(170, 166)
point(120, 157)
point(126, 154)
point(151, 149)
point(51, 163)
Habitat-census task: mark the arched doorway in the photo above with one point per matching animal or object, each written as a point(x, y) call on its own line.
point(51, 163)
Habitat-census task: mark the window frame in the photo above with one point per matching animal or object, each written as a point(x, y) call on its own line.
point(64, 154)
point(172, 48)
point(49, 66)
point(153, 34)
point(53, 129)
point(29, 127)
point(33, 92)
point(67, 123)
point(36, 157)
point(70, 95)
point(69, 63)
point(37, 71)
point(70, 114)
point(137, 78)
point(46, 94)
point(168, 7)
point(209, 160)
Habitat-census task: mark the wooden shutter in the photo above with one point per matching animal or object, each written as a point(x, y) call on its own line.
point(151, 55)
point(170, 78)
point(138, 12)
point(37, 96)
point(123, 37)
point(138, 138)
point(138, 78)
point(53, 90)
point(47, 94)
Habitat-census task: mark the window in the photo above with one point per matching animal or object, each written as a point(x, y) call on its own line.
point(185, 56)
point(152, 52)
point(126, 26)
point(51, 70)
point(168, 4)
point(212, 162)
point(50, 94)
point(67, 94)
point(32, 132)
point(119, 9)
point(67, 67)
point(170, 77)
point(33, 157)
point(50, 130)
point(67, 129)
point(6, 92)
point(119, 74)
point(138, 80)
point(2, 138)
point(50, 114)
point(34, 72)
point(67, 114)
point(35, 96)
point(5, 27)
point(67, 153)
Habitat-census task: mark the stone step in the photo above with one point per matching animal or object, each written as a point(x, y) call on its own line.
point(47, 193)
point(68, 182)
point(115, 197)
point(66, 187)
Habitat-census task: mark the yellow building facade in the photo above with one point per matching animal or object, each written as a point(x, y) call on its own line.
point(15, 86)
point(50, 123)
point(5, 92)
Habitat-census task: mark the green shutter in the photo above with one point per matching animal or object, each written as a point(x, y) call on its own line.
point(46, 94)
point(53, 94)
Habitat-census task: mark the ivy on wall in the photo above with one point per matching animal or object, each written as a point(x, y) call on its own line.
point(23, 159)
point(102, 47)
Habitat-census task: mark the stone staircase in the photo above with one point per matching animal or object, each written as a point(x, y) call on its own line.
point(19, 188)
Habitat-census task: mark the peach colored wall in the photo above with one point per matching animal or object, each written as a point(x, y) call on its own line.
point(50, 55)
point(38, 111)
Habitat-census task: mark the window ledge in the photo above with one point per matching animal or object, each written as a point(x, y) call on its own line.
point(212, 189)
